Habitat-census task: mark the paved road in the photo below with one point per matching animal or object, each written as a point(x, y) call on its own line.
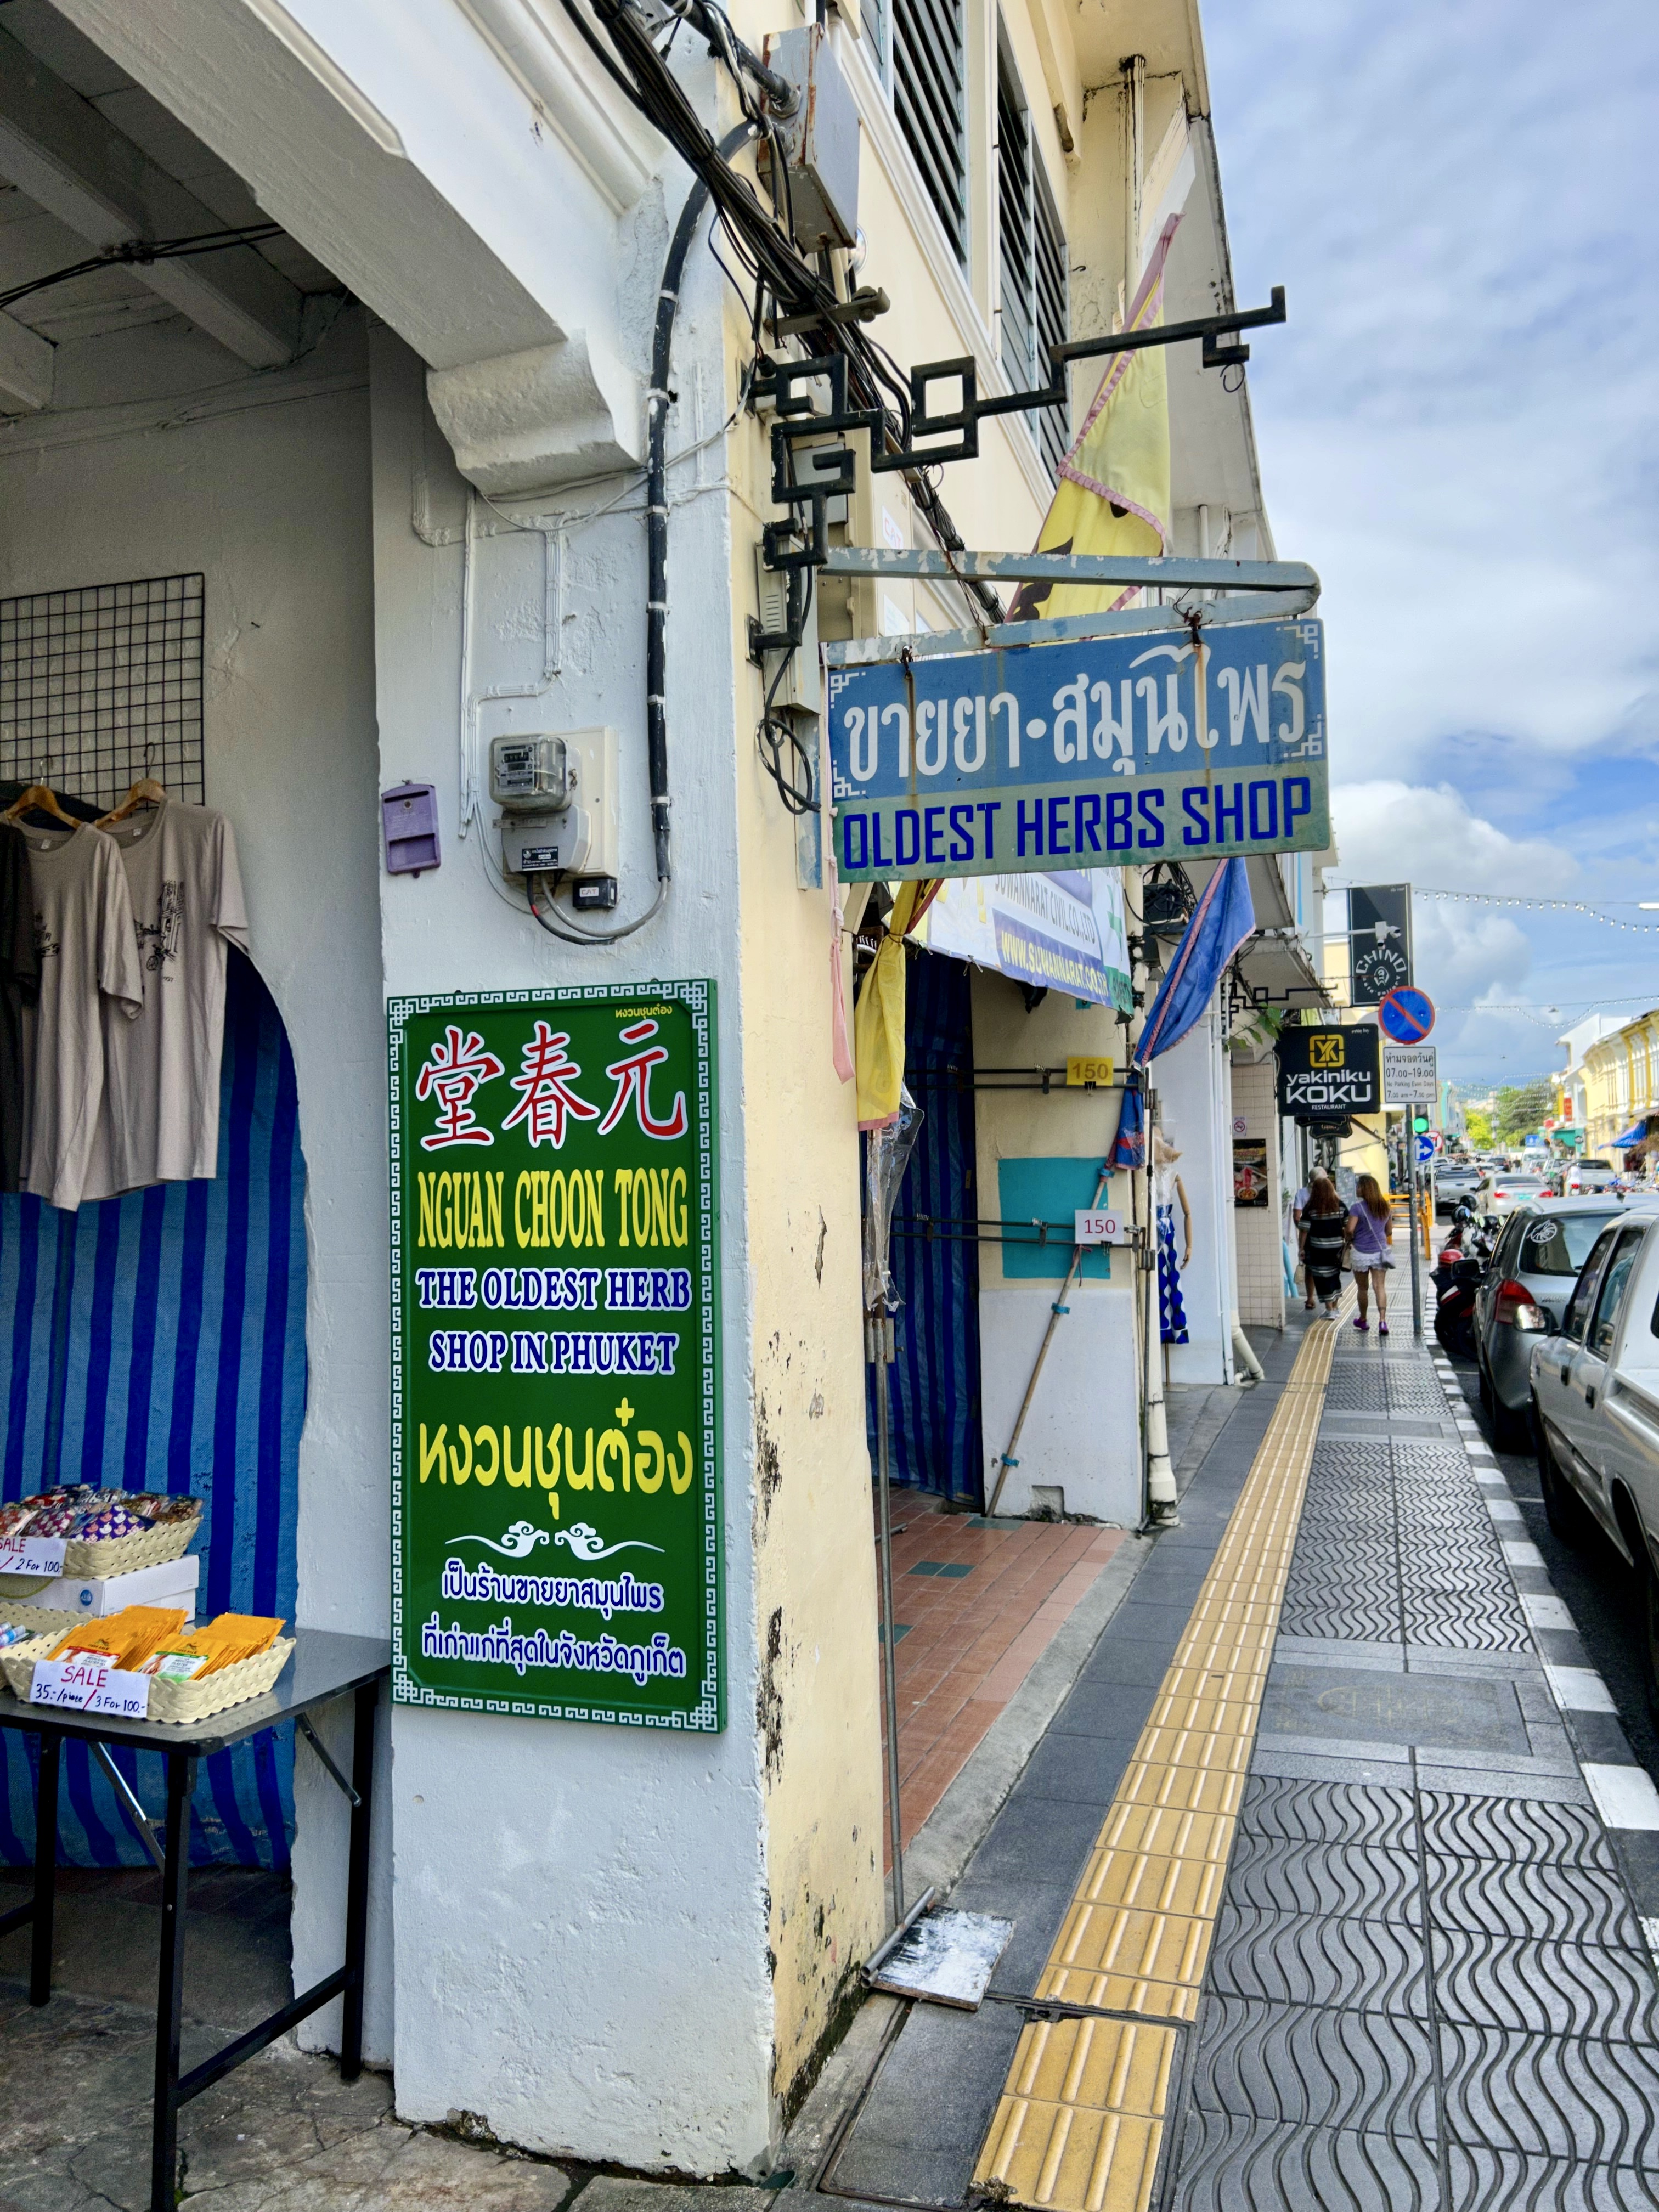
point(1599, 1589)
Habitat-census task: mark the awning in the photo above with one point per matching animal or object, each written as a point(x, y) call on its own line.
point(1633, 1135)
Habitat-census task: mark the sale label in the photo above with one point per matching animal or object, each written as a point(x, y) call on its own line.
point(32, 1555)
point(87, 1684)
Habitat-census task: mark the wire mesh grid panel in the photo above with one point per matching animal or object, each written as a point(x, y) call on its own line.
point(103, 684)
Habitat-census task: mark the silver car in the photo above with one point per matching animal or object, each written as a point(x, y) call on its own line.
point(1524, 1293)
point(1454, 1181)
point(1504, 1189)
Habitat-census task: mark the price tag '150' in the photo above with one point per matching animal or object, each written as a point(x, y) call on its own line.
point(1100, 1229)
point(87, 1684)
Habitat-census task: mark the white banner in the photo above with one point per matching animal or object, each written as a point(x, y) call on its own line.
point(1061, 932)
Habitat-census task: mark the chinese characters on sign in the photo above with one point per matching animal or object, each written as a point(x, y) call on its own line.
point(556, 1508)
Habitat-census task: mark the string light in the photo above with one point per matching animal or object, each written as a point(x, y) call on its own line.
point(1537, 905)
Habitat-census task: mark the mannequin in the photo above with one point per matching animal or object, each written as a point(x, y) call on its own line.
point(1168, 1192)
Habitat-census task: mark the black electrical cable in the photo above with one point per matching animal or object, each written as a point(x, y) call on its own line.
point(658, 401)
point(756, 235)
point(139, 253)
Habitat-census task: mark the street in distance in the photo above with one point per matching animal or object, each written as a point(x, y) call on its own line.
point(1098, 752)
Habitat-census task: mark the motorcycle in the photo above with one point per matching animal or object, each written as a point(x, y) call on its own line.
point(1462, 1262)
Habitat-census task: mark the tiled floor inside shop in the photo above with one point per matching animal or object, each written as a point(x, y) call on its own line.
point(976, 1603)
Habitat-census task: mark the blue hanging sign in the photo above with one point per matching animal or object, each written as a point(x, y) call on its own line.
point(1102, 752)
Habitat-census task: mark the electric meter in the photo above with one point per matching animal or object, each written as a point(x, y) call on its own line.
point(531, 774)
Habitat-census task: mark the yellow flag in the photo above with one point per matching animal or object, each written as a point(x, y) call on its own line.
point(1114, 490)
point(879, 1018)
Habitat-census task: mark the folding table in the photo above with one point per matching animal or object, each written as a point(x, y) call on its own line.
point(322, 1667)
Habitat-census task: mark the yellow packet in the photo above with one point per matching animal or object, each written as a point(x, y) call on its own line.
point(125, 1638)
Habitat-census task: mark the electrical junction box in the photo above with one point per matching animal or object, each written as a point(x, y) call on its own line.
point(802, 688)
point(557, 794)
point(547, 844)
point(820, 140)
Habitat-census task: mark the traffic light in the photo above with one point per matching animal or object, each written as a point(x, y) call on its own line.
point(1420, 1124)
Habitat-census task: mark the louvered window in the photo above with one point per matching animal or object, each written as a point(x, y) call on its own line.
point(1031, 258)
point(1053, 318)
point(930, 97)
point(1014, 230)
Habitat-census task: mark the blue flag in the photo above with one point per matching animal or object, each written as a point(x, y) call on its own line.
point(1224, 917)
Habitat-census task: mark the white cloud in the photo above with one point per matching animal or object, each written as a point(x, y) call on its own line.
point(1389, 832)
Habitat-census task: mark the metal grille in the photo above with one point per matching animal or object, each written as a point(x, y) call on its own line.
point(930, 75)
point(1053, 321)
point(102, 685)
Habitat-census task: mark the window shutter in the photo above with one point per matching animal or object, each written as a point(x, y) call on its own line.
point(1015, 293)
point(1053, 317)
point(930, 77)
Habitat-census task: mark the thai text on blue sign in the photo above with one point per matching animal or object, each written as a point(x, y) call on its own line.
point(1094, 753)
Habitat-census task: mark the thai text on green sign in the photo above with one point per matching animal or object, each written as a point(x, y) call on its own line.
point(555, 1496)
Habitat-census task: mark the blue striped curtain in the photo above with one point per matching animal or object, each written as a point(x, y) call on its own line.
point(934, 1405)
point(157, 1342)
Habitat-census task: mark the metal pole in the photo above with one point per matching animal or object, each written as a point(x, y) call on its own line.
point(1417, 1286)
point(881, 1330)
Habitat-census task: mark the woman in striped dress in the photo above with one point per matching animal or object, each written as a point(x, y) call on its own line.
point(1324, 1232)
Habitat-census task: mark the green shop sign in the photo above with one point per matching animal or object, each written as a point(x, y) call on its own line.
point(555, 1518)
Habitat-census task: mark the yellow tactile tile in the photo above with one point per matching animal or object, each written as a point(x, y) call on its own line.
point(1163, 1832)
point(1152, 1879)
point(1080, 2122)
point(1060, 2155)
point(1189, 1789)
point(1139, 1943)
point(1083, 1985)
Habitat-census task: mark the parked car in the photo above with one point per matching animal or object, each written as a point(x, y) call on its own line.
point(1595, 1405)
point(1585, 1176)
point(1501, 1192)
point(1453, 1181)
point(1523, 1294)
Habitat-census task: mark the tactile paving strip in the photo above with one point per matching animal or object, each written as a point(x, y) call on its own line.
point(1080, 2123)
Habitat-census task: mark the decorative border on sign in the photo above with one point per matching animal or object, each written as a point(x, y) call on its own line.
point(697, 996)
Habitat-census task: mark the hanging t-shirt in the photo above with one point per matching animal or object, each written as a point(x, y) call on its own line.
point(91, 989)
point(20, 983)
point(160, 1122)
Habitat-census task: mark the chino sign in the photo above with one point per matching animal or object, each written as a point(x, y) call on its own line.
point(1097, 753)
point(555, 1498)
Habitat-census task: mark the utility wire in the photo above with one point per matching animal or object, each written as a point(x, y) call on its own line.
point(139, 253)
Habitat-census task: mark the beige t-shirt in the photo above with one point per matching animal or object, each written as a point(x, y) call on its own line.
point(91, 989)
point(160, 1121)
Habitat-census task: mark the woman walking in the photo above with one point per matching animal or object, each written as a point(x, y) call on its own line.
point(1370, 1231)
point(1324, 1232)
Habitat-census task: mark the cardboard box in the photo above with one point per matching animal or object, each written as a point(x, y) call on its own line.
point(90, 1596)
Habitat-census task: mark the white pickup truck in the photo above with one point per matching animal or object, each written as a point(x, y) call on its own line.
point(1595, 1403)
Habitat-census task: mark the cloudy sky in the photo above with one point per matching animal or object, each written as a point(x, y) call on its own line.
point(1458, 430)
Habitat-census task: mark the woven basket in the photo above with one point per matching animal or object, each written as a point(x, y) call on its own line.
point(17, 1660)
point(212, 1694)
point(122, 1555)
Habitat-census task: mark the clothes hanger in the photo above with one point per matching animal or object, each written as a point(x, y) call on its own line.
point(41, 798)
point(145, 791)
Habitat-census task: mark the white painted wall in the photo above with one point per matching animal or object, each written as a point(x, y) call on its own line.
point(268, 493)
point(575, 1906)
point(1191, 1081)
point(1083, 1431)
